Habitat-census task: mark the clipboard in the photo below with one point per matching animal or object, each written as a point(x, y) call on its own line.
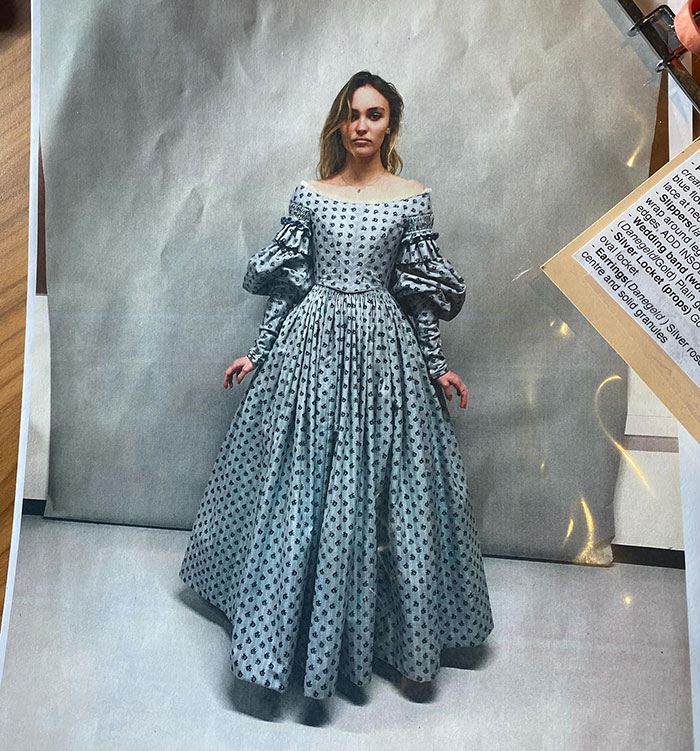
point(664, 376)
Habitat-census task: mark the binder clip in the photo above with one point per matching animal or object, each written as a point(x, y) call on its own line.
point(670, 36)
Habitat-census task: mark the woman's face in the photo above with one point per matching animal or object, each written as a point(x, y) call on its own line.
point(369, 120)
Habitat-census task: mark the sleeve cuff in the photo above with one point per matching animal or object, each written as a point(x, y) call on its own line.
point(255, 357)
point(434, 374)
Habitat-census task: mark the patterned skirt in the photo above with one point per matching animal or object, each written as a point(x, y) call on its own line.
point(336, 520)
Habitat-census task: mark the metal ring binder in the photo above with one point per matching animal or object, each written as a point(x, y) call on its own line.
point(657, 27)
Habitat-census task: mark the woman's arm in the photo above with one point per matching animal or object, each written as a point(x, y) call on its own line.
point(278, 306)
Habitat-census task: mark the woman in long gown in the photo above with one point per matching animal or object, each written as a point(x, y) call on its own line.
point(336, 522)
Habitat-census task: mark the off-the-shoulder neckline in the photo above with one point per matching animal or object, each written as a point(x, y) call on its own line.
point(304, 184)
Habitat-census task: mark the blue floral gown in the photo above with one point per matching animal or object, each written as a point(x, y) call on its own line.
point(336, 523)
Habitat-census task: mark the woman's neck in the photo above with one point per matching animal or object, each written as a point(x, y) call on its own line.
point(360, 172)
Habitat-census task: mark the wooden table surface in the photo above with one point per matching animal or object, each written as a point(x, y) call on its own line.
point(14, 223)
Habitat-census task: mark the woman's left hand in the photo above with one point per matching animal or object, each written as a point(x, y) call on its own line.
point(450, 379)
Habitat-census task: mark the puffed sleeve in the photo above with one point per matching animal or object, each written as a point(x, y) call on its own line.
point(282, 270)
point(427, 287)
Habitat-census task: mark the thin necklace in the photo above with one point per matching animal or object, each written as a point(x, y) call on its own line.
point(363, 186)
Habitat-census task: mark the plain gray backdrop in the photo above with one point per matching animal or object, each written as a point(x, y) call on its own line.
point(173, 135)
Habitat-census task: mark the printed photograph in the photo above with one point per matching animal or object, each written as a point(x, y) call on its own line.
point(318, 456)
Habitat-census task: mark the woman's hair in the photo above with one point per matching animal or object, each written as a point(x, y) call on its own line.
point(332, 150)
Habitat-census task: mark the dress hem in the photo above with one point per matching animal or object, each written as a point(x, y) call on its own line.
point(314, 694)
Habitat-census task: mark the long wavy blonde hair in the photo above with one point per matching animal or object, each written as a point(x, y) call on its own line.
point(333, 152)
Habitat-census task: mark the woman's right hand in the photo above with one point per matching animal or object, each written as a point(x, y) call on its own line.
point(240, 366)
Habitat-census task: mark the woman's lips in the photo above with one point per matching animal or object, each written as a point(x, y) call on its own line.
point(362, 140)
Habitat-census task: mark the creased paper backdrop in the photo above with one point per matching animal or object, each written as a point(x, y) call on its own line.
point(173, 135)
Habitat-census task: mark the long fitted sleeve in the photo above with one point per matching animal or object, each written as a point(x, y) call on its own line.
point(282, 270)
point(427, 287)
point(278, 306)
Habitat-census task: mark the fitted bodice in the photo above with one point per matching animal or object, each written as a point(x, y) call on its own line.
point(386, 249)
point(355, 244)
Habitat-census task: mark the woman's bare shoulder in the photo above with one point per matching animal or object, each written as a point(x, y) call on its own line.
point(325, 181)
point(410, 184)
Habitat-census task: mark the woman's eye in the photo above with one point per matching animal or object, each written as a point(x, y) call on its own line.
point(372, 116)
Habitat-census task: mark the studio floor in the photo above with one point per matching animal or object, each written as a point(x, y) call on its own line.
point(109, 650)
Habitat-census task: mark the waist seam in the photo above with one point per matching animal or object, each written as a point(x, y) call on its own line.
point(349, 291)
